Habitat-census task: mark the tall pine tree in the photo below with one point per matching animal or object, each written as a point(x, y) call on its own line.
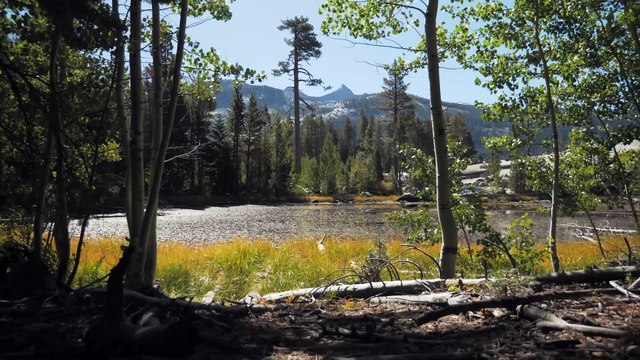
point(305, 46)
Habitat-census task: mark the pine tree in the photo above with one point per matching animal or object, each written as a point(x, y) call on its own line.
point(346, 143)
point(457, 128)
point(399, 106)
point(313, 133)
point(305, 46)
point(252, 138)
point(328, 166)
point(219, 159)
point(236, 122)
point(280, 164)
point(362, 130)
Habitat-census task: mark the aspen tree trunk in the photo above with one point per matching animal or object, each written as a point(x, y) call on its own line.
point(555, 185)
point(156, 137)
point(449, 251)
point(154, 183)
point(61, 229)
point(135, 275)
point(121, 117)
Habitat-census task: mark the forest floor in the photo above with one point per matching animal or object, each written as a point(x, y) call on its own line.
point(61, 327)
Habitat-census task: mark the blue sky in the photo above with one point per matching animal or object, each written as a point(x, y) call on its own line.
point(251, 38)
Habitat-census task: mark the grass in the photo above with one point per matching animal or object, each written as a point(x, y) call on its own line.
point(235, 268)
point(350, 197)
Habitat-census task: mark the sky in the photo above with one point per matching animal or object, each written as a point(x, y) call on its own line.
point(251, 38)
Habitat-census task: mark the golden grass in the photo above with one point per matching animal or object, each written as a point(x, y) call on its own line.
point(349, 197)
point(234, 268)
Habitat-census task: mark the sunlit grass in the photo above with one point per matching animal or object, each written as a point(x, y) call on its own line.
point(348, 197)
point(235, 268)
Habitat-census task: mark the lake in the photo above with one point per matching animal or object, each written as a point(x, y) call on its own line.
point(282, 222)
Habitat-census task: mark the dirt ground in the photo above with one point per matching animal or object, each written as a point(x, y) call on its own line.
point(63, 328)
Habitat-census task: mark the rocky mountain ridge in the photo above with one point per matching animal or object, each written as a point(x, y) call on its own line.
point(342, 103)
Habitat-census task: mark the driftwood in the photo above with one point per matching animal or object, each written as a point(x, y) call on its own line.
point(508, 302)
point(432, 299)
point(547, 320)
point(601, 230)
point(619, 287)
point(589, 275)
point(372, 289)
point(635, 285)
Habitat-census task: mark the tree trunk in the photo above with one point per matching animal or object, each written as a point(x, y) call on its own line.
point(41, 191)
point(156, 138)
point(589, 275)
point(296, 112)
point(621, 173)
point(135, 271)
point(449, 250)
point(151, 213)
point(121, 117)
point(61, 229)
point(555, 184)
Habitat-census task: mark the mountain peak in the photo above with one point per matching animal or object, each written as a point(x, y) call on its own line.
point(342, 93)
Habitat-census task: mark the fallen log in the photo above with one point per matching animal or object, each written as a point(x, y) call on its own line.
point(589, 275)
point(242, 309)
point(545, 319)
point(431, 299)
point(508, 302)
point(398, 287)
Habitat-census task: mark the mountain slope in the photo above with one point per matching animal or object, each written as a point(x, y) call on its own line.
point(342, 103)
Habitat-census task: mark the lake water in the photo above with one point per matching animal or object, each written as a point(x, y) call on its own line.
point(282, 222)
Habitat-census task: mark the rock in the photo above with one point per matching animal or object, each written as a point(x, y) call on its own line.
point(408, 198)
point(209, 297)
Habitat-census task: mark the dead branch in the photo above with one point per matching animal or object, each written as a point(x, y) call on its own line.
point(372, 289)
point(582, 229)
point(544, 319)
point(589, 275)
point(422, 356)
point(508, 302)
point(628, 293)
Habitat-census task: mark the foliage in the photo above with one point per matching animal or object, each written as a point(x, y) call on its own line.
point(328, 166)
point(310, 175)
point(493, 170)
point(420, 225)
point(362, 176)
point(517, 245)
